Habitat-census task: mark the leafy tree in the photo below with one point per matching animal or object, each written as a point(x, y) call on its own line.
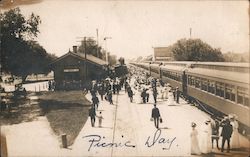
point(20, 55)
point(91, 48)
point(195, 50)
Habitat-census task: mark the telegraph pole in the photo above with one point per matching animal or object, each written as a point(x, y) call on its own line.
point(85, 55)
point(97, 43)
point(105, 39)
point(190, 32)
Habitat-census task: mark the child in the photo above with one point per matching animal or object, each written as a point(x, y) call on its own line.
point(100, 119)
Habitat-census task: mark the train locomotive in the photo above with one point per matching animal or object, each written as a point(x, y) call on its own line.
point(217, 88)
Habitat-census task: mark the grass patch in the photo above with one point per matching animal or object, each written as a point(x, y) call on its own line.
point(66, 112)
point(21, 111)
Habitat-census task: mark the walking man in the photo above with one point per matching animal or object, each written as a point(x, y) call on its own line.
point(92, 115)
point(95, 101)
point(143, 95)
point(156, 115)
point(130, 94)
point(110, 99)
point(177, 92)
point(155, 94)
point(226, 133)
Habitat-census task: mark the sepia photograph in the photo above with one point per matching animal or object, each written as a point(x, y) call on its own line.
point(117, 78)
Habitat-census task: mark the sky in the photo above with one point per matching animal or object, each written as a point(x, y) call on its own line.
point(135, 27)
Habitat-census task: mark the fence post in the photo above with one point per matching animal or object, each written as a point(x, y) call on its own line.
point(64, 141)
point(3, 145)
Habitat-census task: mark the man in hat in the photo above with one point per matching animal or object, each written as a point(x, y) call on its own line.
point(177, 92)
point(156, 115)
point(215, 132)
point(92, 115)
point(226, 133)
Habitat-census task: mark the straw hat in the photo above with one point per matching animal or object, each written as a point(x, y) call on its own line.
point(193, 124)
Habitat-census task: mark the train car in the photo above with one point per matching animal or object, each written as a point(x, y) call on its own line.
point(220, 89)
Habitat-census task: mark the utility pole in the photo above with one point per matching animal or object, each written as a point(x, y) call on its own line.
point(85, 55)
point(97, 43)
point(105, 39)
point(190, 32)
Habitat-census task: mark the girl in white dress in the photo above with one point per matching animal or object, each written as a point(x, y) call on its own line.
point(195, 148)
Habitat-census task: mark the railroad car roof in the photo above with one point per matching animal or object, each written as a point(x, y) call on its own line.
point(231, 64)
point(223, 75)
point(220, 74)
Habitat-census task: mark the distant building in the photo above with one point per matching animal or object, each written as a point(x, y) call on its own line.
point(70, 71)
point(163, 54)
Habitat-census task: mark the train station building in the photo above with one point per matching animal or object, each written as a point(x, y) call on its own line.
point(75, 70)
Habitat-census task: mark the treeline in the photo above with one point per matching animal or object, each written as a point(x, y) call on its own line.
point(236, 57)
point(21, 55)
point(198, 50)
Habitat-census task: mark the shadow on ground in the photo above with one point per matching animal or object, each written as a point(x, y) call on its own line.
point(66, 112)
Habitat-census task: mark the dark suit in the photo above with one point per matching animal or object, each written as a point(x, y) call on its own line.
point(226, 133)
point(92, 115)
point(156, 115)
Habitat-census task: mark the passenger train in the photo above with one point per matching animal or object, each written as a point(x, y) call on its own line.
point(219, 88)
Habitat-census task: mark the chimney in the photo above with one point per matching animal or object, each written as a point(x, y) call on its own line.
point(75, 49)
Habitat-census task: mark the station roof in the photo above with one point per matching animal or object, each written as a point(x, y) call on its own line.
point(81, 56)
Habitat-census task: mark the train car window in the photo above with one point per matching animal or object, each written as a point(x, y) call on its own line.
point(192, 81)
point(204, 84)
point(220, 89)
point(247, 102)
point(243, 96)
point(197, 82)
point(211, 87)
point(178, 77)
point(230, 92)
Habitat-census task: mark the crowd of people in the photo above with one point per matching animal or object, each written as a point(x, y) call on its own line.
point(106, 89)
point(140, 87)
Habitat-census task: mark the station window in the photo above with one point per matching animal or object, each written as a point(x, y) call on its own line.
point(243, 96)
point(230, 92)
point(220, 89)
point(211, 87)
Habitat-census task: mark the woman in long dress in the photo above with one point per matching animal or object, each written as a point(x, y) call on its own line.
point(171, 98)
point(235, 141)
point(165, 92)
point(195, 148)
point(206, 141)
